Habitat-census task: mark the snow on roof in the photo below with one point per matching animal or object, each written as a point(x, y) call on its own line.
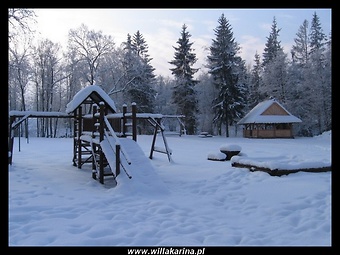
point(85, 93)
point(256, 115)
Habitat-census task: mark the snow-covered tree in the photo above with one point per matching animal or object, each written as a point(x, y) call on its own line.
point(317, 85)
point(328, 86)
point(90, 47)
point(300, 49)
point(310, 79)
point(163, 101)
point(19, 22)
point(20, 35)
point(184, 95)
point(275, 66)
point(228, 72)
point(273, 45)
point(48, 74)
point(205, 96)
point(275, 78)
point(19, 73)
point(141, 90)
point(254, 96)
point(317, 38)
point(296, 99)
point(139, 77)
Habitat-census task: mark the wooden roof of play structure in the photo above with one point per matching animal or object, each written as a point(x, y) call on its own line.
point(96, 94)
point(269, 111)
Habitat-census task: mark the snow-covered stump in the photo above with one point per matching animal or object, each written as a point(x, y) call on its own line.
point(216, 156)
point(230, 150)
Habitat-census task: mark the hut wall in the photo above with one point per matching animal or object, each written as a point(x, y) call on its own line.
point(268, 133)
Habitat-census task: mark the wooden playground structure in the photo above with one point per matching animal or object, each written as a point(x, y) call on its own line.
point(97, 132)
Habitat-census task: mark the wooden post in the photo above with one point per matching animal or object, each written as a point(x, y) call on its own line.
point(26, 131)
point(74, 138)
point(19, 140)
point(124, 128)
point(134, 121)
point(101, 138)
point(11, 140)
point(153, 141)
point(180, 127)
point(101, 121)
point(117, 159)
point(94, 121)
point(80, 130)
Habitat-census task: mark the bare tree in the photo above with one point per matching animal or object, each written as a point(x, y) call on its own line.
point(90, 46)
point(48, 72)
point(18, 21)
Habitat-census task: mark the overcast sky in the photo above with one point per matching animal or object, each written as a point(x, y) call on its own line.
point(161, 28)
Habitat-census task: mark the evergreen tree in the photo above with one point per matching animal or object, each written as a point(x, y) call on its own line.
point(310, 80)
point(129, 61)
point(300, 50)
point(273, 45)
point(328, 87)
point(296, 99)
point(274, 67)
point(275, 78)
point(316, 37)
point(228, 71)
point(255, 82)
point(140, 73)
point(317, 83)
point(144, 95)
point(184, 95)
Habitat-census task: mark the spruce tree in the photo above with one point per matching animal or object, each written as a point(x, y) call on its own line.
point(296, 99)
point(317, 39)
point(184, 94)
point(317, 82)
point(255, 82)
point(274, 67)
point(228, 72)
point(273, 45)
point(128, 60)
point(139, 73)
point(300, 49)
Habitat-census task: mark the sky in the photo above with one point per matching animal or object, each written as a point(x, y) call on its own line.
point(161, 28)
point(187, 202)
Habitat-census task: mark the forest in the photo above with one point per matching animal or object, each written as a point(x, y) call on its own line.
point(44, 77)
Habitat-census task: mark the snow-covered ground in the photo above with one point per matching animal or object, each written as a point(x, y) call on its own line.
point(191, 201)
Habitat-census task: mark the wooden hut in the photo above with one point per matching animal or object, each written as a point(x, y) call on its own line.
point(268, 119)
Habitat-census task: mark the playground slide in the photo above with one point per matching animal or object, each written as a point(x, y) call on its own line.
point(110, 154)
point(144, 175)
